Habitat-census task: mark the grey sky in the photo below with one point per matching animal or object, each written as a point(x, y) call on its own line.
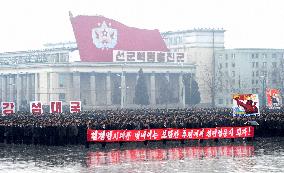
point(248, 23)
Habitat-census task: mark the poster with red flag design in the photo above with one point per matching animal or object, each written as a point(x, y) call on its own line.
point(273, 98)
point(245, 105)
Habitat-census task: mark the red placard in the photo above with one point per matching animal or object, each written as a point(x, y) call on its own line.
point(75, 106)
point(36, 107)
point(168, 134)
point(56, 107)
point(8, 108)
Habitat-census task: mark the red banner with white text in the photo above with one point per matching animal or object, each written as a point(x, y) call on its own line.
point(168, 134)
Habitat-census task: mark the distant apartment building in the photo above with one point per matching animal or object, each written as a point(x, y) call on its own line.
point(247, 71)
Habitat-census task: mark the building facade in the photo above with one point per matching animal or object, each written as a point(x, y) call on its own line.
point(48, 75)
point(200, 46)
point(100, 69)
point(247, 71)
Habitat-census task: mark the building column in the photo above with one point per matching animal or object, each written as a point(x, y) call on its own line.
point(108, 89)
point(167, 75)
point(1, 86)
point(19, 91)
point(190, 84)
point(122, 89)
point(152, 89)
point(28, 87)
point(52, 87)
point(34, 80)
point(76, 86)
point(93, 88)
point(11, 88)
point(4, 88)
point(181, 91)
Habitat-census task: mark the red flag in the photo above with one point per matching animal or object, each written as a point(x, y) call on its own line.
point(98, 36)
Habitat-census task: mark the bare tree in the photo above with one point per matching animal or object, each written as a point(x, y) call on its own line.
point(222, 82)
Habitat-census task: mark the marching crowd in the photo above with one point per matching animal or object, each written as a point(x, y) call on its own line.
point(70, 129)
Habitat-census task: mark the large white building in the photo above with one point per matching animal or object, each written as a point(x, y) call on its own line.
point(100, 69)
point(47, 75)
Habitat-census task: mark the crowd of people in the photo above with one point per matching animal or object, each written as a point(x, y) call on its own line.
point(66, 128)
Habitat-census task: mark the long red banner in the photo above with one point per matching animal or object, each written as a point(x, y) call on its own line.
point(168, 134)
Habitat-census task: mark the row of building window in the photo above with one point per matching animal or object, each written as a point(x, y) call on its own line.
point(264, 64)
point(174, 40)
point(254, 73)
point(258, 73)
point(227, 65)
point(264, 55)
point(255, 90)
point(254, 55)
point(233, 56)
point(253, 81)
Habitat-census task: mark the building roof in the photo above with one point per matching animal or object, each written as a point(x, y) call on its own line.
point(194, 30)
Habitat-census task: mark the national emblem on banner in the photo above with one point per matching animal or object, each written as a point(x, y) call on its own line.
point(104, 37)
point(8, 108)
point(36, 107)
point(55, 107)
point(273, 98)
point(245, 104)
point(75, 106)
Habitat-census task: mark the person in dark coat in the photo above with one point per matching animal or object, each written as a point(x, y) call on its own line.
point(36, 134)
point(2, 132)
point(28, 134)
point(62, 135)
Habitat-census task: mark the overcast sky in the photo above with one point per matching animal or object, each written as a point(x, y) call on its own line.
point(27, 24)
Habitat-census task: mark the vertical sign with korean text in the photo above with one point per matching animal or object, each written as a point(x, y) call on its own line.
point(75, 106)
point(36, 107)
point(55, 107)
point(8, 108)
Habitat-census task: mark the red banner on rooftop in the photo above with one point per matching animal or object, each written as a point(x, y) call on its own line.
point(168, 134)
point(98, 36)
